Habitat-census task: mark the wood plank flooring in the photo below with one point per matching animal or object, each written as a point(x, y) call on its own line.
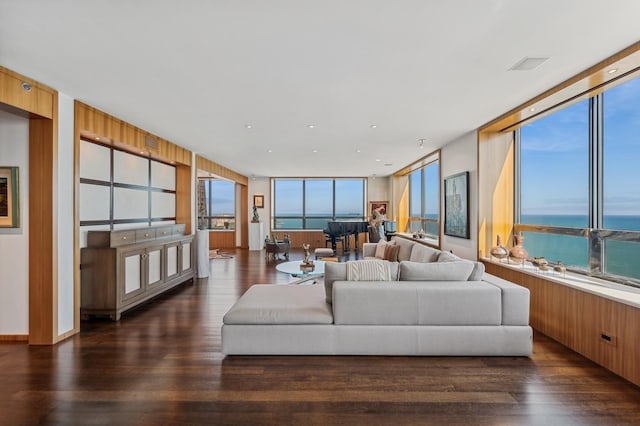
point(161, 365)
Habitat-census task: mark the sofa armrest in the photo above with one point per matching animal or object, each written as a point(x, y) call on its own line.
point(369, 249)
point(515, 300)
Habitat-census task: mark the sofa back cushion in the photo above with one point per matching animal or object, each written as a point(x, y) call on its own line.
point(406, 247)
point(435, 271)
point(337, 271)
point(478, 267)
point(422, 253)
point(414, 303)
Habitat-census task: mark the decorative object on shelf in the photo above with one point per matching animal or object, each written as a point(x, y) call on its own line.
point(9, 198)
point(226, 224)
point(559, 267)
point(256, 217)
point(306, 247)
point(499, 251)
point(258, 201)
point(539, 262)
point(456, 205)
point(518, 254)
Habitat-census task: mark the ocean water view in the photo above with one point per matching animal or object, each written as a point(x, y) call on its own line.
point(620, 256)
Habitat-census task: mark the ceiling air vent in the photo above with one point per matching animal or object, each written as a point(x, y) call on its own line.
point(150, 142)
point(529, 63)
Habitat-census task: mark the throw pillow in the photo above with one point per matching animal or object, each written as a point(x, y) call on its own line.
point(380, 248)
point(435, 271)
point(391, 252)
point(368, 270)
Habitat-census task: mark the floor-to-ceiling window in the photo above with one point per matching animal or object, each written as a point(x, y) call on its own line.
point(311, 203)
point(218, 211)
point(577, 198)
point(424, 200)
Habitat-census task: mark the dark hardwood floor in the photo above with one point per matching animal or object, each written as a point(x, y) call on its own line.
point(161, 365)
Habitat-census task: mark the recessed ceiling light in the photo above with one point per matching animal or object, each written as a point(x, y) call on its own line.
point(269, 150)
point(357, 150)
point(532, 110)
point(613, 70)
point(311, 126)
point(378, 160)
point(248, 126)
point(373, 126)
point(315, 150)
point(529, 63)
point(97, 138)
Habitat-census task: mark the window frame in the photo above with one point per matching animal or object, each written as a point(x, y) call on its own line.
point(597, 236)
point(303, 217)
point(209, 218)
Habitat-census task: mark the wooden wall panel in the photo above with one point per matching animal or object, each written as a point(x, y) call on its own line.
point(43, 299)
point(222, 239)
point(94, 124)
point(220, 170)
point(244, 216)
point(39, 100)
point(577, 319)
point(183, 197)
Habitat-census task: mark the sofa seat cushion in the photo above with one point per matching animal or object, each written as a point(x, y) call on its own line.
point(417, 303)
point(281, 304)
point(436, 271)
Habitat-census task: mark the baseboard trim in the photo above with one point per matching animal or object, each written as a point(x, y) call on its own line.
point(14, 337)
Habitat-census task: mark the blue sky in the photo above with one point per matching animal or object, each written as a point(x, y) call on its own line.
point(555, 157)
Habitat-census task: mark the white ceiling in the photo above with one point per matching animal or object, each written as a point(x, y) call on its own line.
point(197, 72)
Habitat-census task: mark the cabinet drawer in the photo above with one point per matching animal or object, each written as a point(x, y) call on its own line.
point(164, 231)
point(122, 238)
point(178, 229)
point(143, 235)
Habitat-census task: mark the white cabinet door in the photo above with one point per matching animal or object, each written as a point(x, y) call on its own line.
point(154, 273)
point(172, 260)
point(132, 272)
point(186, 256)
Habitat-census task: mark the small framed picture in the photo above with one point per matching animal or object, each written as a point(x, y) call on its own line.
point(258, 201)
point(9, 198)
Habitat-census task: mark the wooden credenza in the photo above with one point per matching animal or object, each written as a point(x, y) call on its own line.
point(121, 269)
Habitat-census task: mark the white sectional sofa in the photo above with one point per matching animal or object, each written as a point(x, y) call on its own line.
point(426, 308)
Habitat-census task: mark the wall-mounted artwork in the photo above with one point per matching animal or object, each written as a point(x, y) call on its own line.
point(258, 201)
point(380, 206)
point(456, 205)
point(9, 198)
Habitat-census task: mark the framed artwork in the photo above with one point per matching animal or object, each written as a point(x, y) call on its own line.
point(258, 201)
point(381, 206)
point(9, 198)
point(456, 205)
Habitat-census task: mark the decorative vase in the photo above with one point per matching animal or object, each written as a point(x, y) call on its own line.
point(518, 254)
point(499, 251)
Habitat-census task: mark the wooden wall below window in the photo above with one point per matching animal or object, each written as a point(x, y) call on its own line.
point(222, 239)
point(579, 319)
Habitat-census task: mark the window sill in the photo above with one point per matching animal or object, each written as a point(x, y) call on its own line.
point(596, 286)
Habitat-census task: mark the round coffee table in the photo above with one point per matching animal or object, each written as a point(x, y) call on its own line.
point(293, 268)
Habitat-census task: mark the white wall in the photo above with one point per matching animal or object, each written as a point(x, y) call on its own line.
point(459, 156)
point(261, 186)
point(378, 190)
point(63, 212)
point(14, 243)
